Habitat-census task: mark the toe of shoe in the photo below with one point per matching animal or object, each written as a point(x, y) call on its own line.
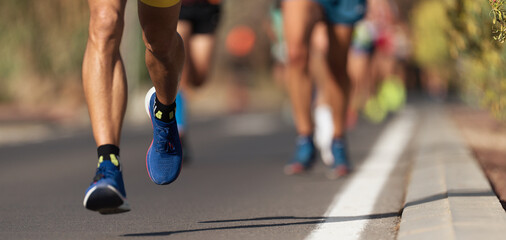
point(164, 173)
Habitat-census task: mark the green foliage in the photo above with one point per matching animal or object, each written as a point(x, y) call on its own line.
point(476, 59)
point(40, 41)
point(430, 23)
point(498, 20)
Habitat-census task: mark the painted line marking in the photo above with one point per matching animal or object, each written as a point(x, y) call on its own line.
point(359, 196)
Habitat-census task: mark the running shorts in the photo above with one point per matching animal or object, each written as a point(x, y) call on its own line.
point(346, 12)
point(160, 3)
point(203, 17)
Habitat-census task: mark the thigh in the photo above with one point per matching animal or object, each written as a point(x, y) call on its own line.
point(339, 44)
point(299, 18)
point(319, 38)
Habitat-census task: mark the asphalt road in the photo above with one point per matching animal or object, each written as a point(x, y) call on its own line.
point(234, 187)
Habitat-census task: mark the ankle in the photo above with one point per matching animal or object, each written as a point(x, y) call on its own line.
point(108, 152)
point(164, 113)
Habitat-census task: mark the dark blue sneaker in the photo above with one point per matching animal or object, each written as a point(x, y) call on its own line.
point(341, 166)
point(164, 156)
point(305, 154)
point(106, 193)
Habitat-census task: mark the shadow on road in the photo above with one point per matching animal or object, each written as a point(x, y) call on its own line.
point(311, 220)
point(445, 195)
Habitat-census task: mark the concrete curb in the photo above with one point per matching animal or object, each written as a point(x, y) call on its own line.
point(448, 196)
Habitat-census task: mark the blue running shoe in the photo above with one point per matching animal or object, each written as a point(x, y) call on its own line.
point(341, 166)
point(181, 111)
point(305, 154)
point(106, 193)
point(164, 156)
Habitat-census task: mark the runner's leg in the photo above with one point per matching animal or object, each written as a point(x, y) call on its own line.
point(299, 19)
point(164, 60)
point(200, 57)
point(184, 28)
point(103, 72)
point(106, 94)
point(199, 49)
point(164, 48)
point(339, 86)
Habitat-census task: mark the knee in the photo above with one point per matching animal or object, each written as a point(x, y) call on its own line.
point(164, 47)
point(106, 27)
point(298, 57)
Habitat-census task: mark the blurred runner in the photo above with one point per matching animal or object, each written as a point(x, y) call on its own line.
point(300, 17)
point(318, 70)
point(106, 94)
point(360, 58)
point(197, 23)
point(391, 49)
point(322, 113)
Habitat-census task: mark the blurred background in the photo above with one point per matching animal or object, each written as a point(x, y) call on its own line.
point(440, 48)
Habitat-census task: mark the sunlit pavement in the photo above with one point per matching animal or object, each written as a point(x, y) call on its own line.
point(411, 171)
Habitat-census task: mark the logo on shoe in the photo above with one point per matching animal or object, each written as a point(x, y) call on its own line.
point(159, 115)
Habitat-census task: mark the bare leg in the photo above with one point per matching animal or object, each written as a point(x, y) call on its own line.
point(105, 89)
point(201, 51)
point(164, 49)
point(199, 48)
point(339, 86)
point(184, 28)
point(359, 70)
point(318, 59)
point(299, 19)
point(103, 72)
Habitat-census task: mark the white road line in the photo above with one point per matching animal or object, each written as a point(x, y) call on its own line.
point(359, 196)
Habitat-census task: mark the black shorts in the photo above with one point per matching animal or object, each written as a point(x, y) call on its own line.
point(204, 18)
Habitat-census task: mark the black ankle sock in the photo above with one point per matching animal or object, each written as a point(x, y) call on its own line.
point(108, 152)
point(164, 113)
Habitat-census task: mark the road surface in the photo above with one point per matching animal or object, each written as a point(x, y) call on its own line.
point(234, 187)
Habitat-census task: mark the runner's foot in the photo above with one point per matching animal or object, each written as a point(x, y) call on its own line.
point(304, 156)
point(106, 193)
point(164, 156)
point(341, 166)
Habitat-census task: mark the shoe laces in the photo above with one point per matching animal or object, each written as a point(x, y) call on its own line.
point(103, 172)
point(163, 144)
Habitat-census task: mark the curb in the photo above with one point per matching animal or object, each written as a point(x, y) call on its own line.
point(448, 196)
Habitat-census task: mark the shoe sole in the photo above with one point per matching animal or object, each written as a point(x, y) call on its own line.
point(296, 169)
point(105, 200)
point(147, 100)
point(338, 172)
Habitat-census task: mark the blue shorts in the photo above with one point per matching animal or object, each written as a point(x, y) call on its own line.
point(346, 12)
